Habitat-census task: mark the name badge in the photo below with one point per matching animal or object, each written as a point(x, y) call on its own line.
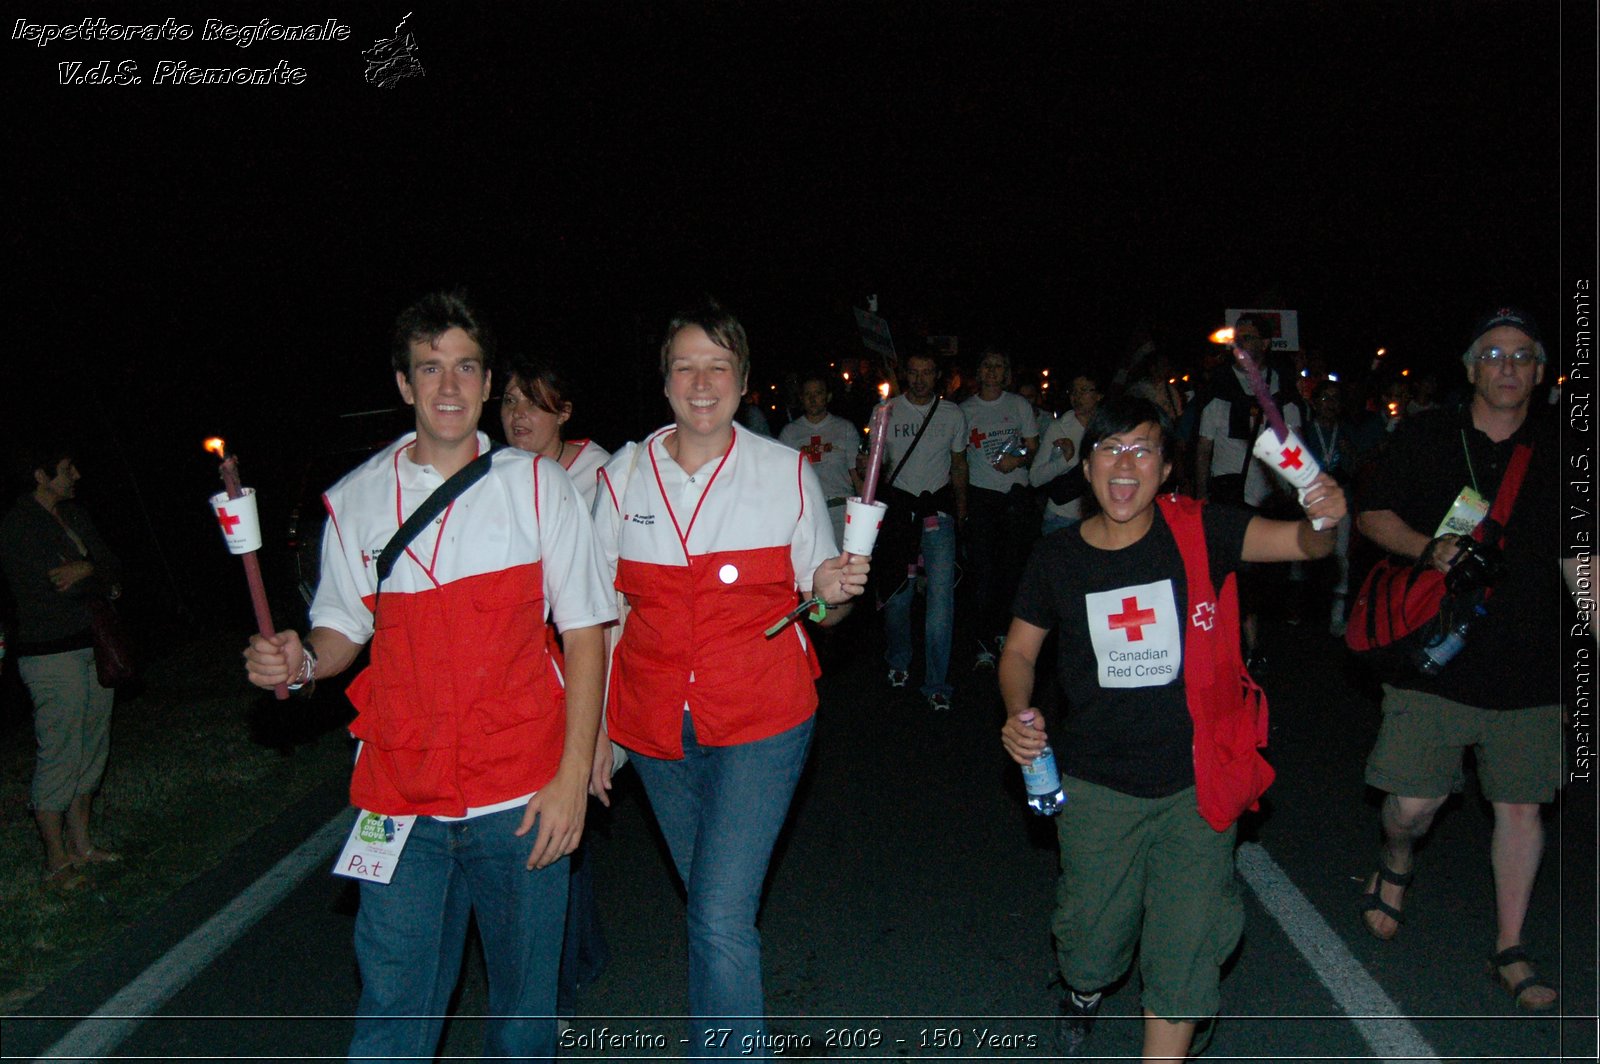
point(373, 848)
point(1465, 514)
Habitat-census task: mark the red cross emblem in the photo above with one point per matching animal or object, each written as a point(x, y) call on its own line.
point(815, 449)
point(1132, 619)
point(1291, 458)
point(976, 439)
point(1205, 615)
point(366, 559)
point(227, 521)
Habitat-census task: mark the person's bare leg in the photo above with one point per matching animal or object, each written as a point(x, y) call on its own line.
point(1515, 850)
point(1405, 821)
point(1166, 1039)
point(55, 847)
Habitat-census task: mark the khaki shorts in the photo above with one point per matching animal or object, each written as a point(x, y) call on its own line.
point(1146, 873)
point(1418, 753)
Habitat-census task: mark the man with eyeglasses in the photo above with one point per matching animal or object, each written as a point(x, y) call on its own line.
point(1500, 694)
point(1225, 469)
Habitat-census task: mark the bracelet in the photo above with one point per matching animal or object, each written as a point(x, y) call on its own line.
point(306, 678)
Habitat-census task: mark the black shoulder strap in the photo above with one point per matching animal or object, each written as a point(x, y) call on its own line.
point(926, 421)
point(432, 507)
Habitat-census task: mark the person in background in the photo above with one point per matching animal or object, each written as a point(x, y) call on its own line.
point(1058, 471)
point(58, 566)
point(1001, 441)
point(534, 409)
point(1227, 471)
point(709, 531)
point(1329, 439)
point(925, 485)
point(1141, 869)
point(830, 443)
point(1030, 391)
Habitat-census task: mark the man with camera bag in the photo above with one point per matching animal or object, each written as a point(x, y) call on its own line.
point(1498, 694)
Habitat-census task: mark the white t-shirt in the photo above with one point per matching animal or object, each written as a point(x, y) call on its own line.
point(928, 468)
point(831, 447)
point(1051, 462)
point(585, 469)
point(1228, 454)
point(993, 424)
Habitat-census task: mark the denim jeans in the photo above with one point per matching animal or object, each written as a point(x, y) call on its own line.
point(721, 808)
point(410, 933)
point(939, 564)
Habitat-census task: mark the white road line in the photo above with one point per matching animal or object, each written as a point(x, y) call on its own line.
point(101, 1033)
point(1363, 1000)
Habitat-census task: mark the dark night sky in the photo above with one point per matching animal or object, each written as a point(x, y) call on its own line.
point(228, 258)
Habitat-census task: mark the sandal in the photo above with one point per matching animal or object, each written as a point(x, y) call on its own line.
point(1372, 900)
point(1517, 955)
point(95, 855)
point(63, 880)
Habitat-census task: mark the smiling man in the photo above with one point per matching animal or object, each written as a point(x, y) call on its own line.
point(466, 721)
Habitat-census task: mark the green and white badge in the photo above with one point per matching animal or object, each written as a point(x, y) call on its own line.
point(373, 848)
point(1466, 513)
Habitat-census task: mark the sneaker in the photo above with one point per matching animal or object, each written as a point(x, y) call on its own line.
point(898, 677)
point(1075, 1022)
point(984, 660)
point(939, 703)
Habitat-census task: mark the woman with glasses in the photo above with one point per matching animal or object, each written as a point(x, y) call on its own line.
point(1140, 867)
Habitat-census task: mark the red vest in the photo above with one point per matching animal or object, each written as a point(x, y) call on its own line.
point(695, 635)
point(462, 705)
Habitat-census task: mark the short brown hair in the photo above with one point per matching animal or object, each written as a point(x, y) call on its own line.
point(719, 325)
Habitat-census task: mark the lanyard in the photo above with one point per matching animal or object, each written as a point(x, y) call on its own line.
point(1467, 451)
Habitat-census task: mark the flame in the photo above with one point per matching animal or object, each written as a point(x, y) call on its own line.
point(1405, 373)
point(847, 376)
point(1045, 372)
point(1223, 335)
point(883, 390)
point(1394, 409)
point(1561, 380)
point(214, 445)
point(1382, 351)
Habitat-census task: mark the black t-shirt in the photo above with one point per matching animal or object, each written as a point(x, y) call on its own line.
point(1509, 661)
point(1121, 617)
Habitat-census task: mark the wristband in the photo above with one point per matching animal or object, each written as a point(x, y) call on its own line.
point(307, 676)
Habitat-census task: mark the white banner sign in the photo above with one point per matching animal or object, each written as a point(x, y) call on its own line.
point(874, 332)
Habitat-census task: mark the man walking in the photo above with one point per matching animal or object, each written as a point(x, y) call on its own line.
point(927, 467)
point(466, 720)
point(1499, 695)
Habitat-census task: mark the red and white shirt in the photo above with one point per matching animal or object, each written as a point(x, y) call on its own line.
point(830, 445)
point(462, 707)
point(708, 560)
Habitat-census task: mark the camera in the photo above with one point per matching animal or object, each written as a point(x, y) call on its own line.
point(1477, 565)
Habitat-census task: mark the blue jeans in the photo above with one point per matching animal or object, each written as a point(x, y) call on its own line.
point(939, 564)
point(410, 933)
point(721, 808)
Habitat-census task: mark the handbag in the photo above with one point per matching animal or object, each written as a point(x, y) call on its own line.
point(1395, 610)
point(113, 655)
point(1227, 708)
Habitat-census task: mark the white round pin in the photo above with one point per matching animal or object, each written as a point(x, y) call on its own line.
point(728, 574)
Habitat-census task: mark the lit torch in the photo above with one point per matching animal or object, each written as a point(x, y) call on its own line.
point(235, 510)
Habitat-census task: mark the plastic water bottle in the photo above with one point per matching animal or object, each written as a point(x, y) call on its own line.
point(1438, 652)
point(1042, 780)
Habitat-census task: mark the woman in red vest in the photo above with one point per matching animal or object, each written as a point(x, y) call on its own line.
point(711, 531)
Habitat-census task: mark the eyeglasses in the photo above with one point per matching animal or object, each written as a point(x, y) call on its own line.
point(1111, 450)
point(1520, 357)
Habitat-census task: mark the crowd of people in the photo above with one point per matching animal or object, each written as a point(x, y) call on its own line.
point(541, 614)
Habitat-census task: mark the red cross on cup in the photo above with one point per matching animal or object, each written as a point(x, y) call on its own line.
point(227, 521)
